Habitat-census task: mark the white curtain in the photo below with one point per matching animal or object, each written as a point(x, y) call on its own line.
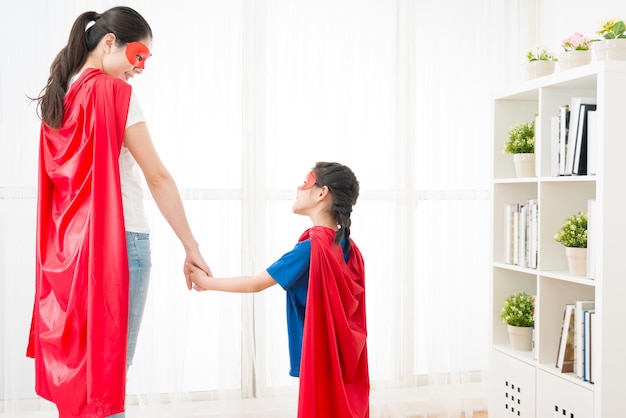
point(242, 97)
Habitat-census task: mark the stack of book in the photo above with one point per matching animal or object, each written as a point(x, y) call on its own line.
point(573, 138)
point(575, 352)
point(521, 232)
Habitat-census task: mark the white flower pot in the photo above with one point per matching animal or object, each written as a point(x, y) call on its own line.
point(524, 165)
point(576, 260)
point(539, 68)
point(572, 59)
point(520, 338)
point(610, 49)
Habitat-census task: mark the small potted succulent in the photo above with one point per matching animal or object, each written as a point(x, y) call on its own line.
point(540, 63)
point(577, 51)
point(573, 235)
point(518, 314)
point(612, 45)
point(521, 144)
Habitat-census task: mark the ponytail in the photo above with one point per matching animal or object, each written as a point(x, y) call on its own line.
point(67, 62)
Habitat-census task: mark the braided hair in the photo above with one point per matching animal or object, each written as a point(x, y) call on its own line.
point(344, 188)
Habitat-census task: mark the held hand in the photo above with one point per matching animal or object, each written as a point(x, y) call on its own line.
point(194, 258)
point(195, 275)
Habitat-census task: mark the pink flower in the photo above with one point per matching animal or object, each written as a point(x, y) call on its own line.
point(576, 42)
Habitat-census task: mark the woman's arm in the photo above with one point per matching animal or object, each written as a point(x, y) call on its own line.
point(164, 191)
point(241, 284)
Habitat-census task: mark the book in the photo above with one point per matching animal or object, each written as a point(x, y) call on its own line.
point(509, 210)
point(554, 145)
point(579, 332)
point(533, 233)
point(592, 245)
point(593, 337)
point(565, 353)
point(580, 150)
point(573, 130)
point(564, 115)
point(587, 344)
point(523, 235)
point(569, 355)
point(516, 237)
point(592, 134)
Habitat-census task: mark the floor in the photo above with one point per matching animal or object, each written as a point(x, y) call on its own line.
point(197, 410)
point(414, 403)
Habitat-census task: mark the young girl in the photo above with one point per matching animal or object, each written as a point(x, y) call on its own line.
point(93, 248)
point(324, 279)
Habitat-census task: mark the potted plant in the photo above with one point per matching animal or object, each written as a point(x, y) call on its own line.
point(521, 144)
point(518, 314)
point(540, 63)
point(612, 29)
point(573, 235)
point(611, 46)
point(576, 51)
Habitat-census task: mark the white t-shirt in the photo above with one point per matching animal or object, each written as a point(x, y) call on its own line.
point(135, 219)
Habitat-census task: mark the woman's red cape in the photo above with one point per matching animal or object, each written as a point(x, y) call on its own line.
point(79, 327)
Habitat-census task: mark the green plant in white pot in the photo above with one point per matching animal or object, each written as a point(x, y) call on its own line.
point(612, 45)
point(540, 63)
point(521, 144)
point(573, 234)
point(540, 54)
point(518, 314)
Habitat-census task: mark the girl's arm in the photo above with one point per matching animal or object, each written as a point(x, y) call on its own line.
point(241, 284)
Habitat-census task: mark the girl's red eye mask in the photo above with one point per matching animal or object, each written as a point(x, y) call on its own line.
point(309, 181)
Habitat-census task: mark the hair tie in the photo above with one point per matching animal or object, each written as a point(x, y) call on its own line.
point(89, 25)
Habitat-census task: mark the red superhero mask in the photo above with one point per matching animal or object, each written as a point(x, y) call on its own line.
point(137, 53)
point(309, 181)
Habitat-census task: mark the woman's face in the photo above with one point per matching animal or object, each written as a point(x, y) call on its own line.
point(117, 61)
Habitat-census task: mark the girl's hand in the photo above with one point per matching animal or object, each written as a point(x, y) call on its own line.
point(195, 276)
point(194, 260)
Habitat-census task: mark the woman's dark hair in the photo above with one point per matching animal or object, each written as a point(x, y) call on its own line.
point(89, 28)
point(344, 188)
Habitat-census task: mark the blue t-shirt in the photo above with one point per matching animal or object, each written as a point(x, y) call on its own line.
point(291, 272)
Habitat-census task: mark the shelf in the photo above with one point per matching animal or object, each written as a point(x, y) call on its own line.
point(570, 377)
point(559, 179)
point(562, 275)
point(524, 356)
point(527, 357)
point(544, 389)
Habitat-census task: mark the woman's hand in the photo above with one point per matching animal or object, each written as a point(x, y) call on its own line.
point(194, 258)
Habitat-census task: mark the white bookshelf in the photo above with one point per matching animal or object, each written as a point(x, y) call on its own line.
point(526, 384)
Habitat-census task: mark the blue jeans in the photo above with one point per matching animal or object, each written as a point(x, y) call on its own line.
point(139, 263)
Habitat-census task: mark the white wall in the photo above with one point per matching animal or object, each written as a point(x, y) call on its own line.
point(557, 19)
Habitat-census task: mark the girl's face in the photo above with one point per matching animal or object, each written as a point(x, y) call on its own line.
point(126, 61)
point(309, 181)
point(306, 193)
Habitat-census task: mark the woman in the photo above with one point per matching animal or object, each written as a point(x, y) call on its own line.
point(93, 251)
point(323, 276)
